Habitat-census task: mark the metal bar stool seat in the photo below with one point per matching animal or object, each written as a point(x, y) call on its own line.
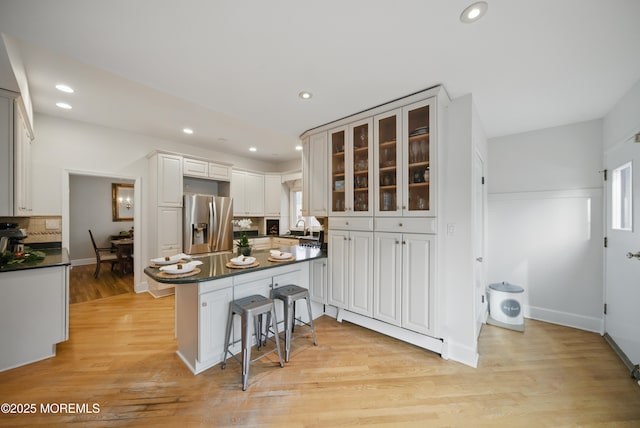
point(289, 294)
point(250, 309)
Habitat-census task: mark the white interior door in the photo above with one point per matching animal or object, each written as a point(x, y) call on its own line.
point(622, 278)
point(479, 274)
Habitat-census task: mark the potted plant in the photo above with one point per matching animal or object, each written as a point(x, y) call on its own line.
point(243, 243)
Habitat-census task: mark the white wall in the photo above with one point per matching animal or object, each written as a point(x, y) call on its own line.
point(621, 122)
point(63, 146)
point(464, 136)
point(545, 221)
point(70, 145)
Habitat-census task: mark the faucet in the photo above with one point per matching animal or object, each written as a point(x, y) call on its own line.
point(304, 226)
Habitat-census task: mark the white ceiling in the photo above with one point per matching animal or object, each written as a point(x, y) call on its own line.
point(232, 70)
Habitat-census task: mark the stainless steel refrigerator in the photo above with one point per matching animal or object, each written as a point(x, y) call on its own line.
point(207, 224)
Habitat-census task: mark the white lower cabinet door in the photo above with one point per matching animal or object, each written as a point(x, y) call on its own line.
point(338, 268)
point(360, 273)
point(213, 311)
point(387, 277)
point(417, 279)
point(318, 283)
point(169, 231)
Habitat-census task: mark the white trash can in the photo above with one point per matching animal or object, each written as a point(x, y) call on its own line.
point(505, 306)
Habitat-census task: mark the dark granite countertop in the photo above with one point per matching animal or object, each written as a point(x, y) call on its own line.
point(53, 257)
point(214, 266)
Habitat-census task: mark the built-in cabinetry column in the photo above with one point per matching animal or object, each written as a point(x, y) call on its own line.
point(314, 175)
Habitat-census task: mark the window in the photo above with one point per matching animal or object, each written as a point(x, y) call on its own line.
point(621, 202)
point(295, 202)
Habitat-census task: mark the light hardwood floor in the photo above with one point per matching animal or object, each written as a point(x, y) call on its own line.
point(83, 287)
point(121, 356)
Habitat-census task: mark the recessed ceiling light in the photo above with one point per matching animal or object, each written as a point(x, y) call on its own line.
point(253, 149)
point(305, 95)
point(188, 131)
point(298, 147)
point(64, 106)
point(65, 88)
point(474, 12)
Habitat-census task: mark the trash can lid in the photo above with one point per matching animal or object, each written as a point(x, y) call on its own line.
point(506, 287)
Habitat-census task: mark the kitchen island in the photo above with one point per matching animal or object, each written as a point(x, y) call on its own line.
point(202, 300)
point(34, 309)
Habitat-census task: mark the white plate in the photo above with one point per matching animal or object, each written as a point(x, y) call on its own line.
point(280, 255)
point(172, 260)
point(186, 267)
point(242, 260)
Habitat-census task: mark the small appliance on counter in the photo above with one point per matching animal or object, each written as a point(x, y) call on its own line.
point(11, 237)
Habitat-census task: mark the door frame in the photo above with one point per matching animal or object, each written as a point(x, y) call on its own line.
point(138, 285)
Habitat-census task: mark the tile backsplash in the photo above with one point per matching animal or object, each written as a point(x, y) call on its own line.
point(39, 228)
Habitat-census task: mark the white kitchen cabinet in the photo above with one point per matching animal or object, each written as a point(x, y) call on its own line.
point(351, 267)
point(34, 314)
point(418, 152)
point(314, 175)
point(360, 295)
point(388, 172)
point(387, 277)
point(220, 172)
point(6, 155)
point(403, 280)
point(169, 180)
point(204, 169)
point(338, 246)
point(22, 165)
point(318, 281)
point(418, 257)
point(169, 232)
point(272, 195)
point(351, 169)
point(195, 168)
point(247, 191)
point(213, 308)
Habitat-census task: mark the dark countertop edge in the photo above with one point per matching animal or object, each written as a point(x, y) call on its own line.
point(54, 257)
point(151, 272)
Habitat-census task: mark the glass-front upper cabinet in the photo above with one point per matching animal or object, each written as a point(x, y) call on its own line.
point(388, 160)
point(351, 161)
point(338, 147)
point(418, 123)
point(361, 183)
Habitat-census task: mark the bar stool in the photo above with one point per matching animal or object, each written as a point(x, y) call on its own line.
point(251, 309)
point(289, 294)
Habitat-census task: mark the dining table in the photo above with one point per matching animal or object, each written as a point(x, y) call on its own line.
point(124, 251)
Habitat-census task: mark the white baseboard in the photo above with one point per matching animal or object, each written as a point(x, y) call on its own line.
point(460, 353)
point(83, 262)
point(566, 319)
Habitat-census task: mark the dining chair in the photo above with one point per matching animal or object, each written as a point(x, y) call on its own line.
point(103, 255)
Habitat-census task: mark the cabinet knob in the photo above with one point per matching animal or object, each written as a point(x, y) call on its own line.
point(400, 224)
point(404, 207)
point(397, 242)
point(346, 223)
point(204, 304)
point(404, 242)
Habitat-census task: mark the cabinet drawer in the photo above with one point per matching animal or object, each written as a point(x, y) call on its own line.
point(219, 171)
point(406, 225)
point(195, 168)
point(218, 284)
point(351, 223)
